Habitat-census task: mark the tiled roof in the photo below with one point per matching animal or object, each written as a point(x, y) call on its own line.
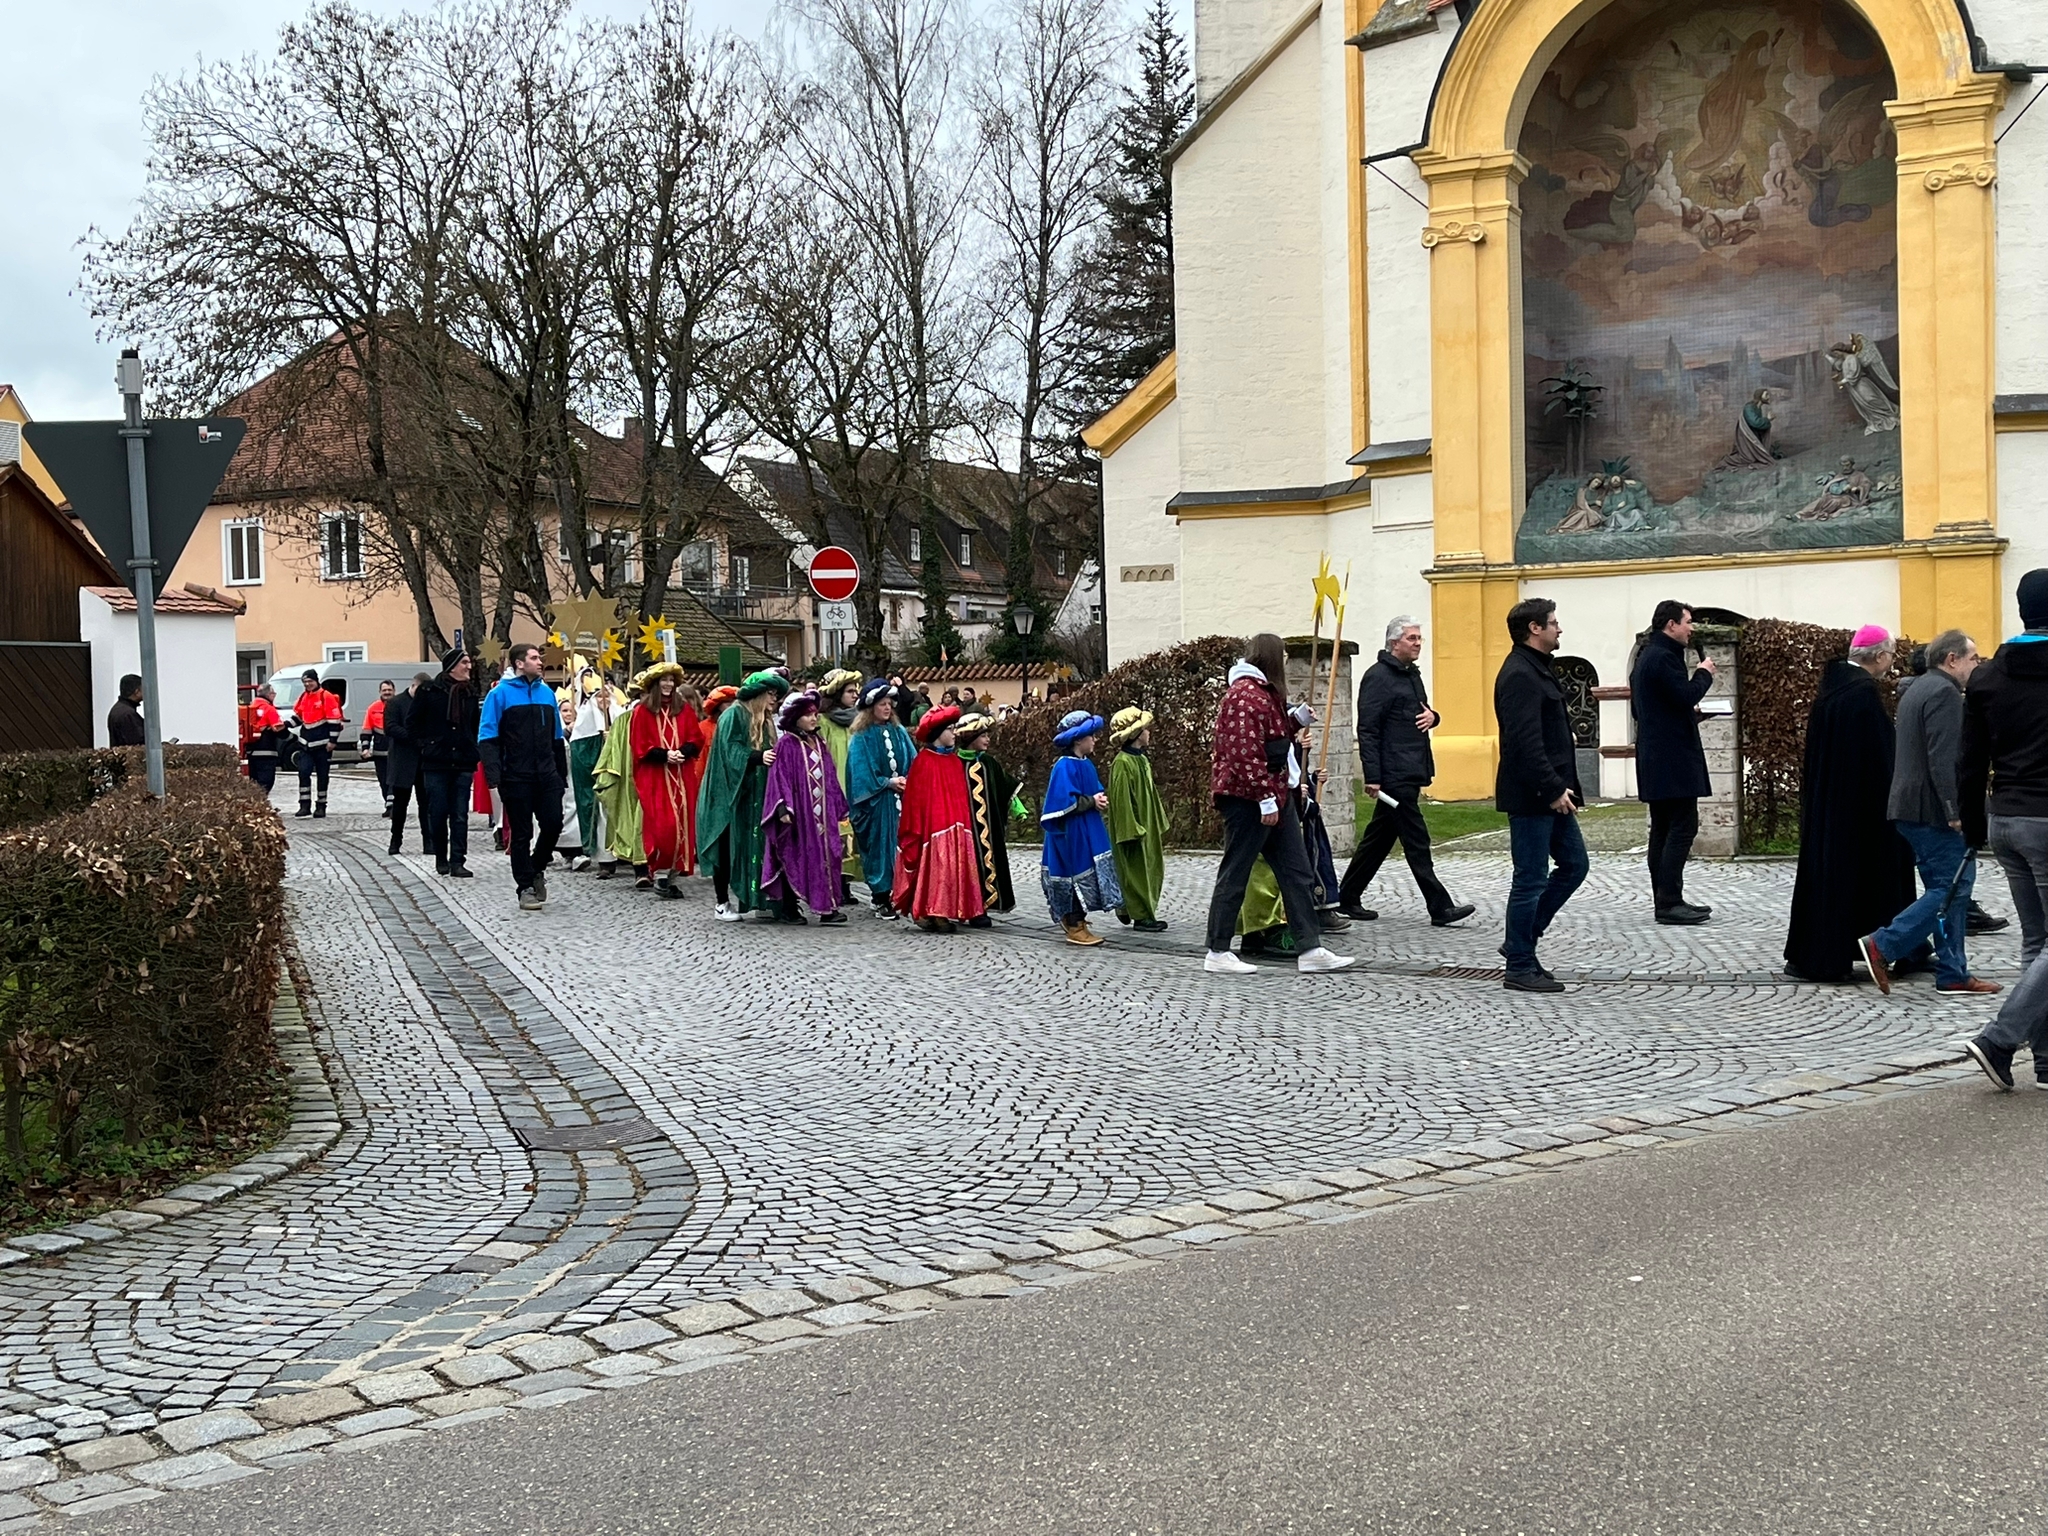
point(121, 600)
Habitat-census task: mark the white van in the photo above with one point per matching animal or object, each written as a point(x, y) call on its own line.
point(354, 682)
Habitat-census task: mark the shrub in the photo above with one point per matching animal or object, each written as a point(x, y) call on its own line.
point(1183, 688)
point(140, 947)
point(35, 786)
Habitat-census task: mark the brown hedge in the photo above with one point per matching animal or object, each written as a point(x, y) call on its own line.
point(1182, 688)
point(140, 951)
point(35, 786)
point(1780, 665)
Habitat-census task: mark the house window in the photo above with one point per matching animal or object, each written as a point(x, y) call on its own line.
point(916, 545)
point(966, 549)
point(699, 559)
point(619, 565)
point(1059, 563)
point(333, 652)
point(895, 614)
point(341, 547)
point(242, 553)
point(742, 572)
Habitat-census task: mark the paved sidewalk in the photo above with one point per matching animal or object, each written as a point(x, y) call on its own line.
point(1826, 1326)
point(580, 1119)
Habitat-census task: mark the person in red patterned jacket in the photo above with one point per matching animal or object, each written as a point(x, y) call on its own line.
point(1250, 784)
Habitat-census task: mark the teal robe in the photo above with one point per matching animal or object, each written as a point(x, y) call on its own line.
point(873, 757)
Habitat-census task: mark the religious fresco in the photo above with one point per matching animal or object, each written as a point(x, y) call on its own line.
point(1710, 285)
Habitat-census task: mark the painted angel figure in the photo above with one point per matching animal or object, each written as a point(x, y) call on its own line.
point(1860, 371)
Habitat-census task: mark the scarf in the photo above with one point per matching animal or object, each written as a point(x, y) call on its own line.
point(843, 718)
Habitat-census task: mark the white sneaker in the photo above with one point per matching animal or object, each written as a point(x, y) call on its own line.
point(582, 863)
point(726, 913)
point(1320, 959)
point(1224, 963)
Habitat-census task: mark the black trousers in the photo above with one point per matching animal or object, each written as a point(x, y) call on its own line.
point(263, 770)
point(382, 765)
point(1673, 826)
point(1389, 823)
point(1245, 837)
point(407, 786)
point(527, 806)
point(313, 762)
point(447, 792)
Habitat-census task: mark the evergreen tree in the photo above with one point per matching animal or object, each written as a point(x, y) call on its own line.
point(1128, 276)
point(941, 639)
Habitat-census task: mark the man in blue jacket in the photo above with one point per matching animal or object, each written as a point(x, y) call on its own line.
point(519, 741)
point(1671, 765)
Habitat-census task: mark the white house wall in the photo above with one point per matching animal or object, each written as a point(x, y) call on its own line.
point(1139, 538)
point(2022, 472)
point(195, 670)
point(1248, 281)
point(1231, 35)
point(2017, 31)
point(1240, 575)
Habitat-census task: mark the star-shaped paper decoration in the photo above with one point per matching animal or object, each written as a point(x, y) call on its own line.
point(614, 650)
point(491, 649)
point(581, 621)
point(557, 640)
point(650, 636)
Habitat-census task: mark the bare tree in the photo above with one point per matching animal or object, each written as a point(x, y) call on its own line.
point(1044, 107)
point(686, 190)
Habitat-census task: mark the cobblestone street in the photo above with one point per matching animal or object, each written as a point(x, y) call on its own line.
point(592, 1117)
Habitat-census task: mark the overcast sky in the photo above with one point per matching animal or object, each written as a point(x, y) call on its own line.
point(75, 158)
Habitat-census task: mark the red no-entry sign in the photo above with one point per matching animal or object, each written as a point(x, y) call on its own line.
point(834, 574)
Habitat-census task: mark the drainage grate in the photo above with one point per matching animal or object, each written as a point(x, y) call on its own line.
point(588, 1138)
point(1468, 973)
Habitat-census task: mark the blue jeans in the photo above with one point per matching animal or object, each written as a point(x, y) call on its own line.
point(1937, 851)
point(1538, 842)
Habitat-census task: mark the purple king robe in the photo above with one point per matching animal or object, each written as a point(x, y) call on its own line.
point(803, 854)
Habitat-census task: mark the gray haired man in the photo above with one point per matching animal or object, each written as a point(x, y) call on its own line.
point(1394, 722)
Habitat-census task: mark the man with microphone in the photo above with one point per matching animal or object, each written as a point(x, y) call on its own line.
point(1394, 722)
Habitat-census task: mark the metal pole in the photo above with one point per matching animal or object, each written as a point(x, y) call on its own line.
point(142, 568)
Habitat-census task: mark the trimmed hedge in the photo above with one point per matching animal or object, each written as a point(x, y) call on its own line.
point(141, 945)
point(34, 786)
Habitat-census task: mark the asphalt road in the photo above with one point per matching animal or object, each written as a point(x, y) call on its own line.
point(1831, 1325)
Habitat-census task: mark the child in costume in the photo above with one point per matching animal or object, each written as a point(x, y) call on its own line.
point(878, 758)
point(667, 749)
point(1137, 821)
point(802, 809)
point(1079, 871)
point(937, 877)
point(613, 780)
point(992, 799)
point(729, 828)
point(838, 703)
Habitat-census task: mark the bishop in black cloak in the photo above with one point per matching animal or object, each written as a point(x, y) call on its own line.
point(1855, 871)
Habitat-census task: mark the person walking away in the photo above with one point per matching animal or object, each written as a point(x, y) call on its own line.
point(1925, 807)
point(1262, 919)
point(403, 768)
point(443, 724)
point(2005, 750)
point(1537, 787)
point(1137, 821)
point(1251, 778)
point(124, 720)
point(618, 800)
point(666, 744)
point(878, 757)
point(802, 809)
point(1077, 868)
point(320, 718)
point(1394, 753)
point(592, 698)
point(1671, 765)
point(993, 800)
point(1980, 921)
point(266, 732)
point(525, 758)
point(735, 783)
point(838, 703)
point(938, 878)
point(375, 741)
point(1855, 872)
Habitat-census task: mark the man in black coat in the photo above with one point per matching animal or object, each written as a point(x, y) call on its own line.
point(124, 720)
point(1671, 765)
point(1394, 722)
point(1855, 872)
point(403, 768)
point(442, 723)
point(1537, 786)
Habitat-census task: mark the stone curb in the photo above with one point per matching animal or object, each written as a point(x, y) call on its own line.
point(349, 1410)
point(315, 1127)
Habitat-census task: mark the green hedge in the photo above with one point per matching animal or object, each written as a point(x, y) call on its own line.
point(34, 786)
point(140, 951)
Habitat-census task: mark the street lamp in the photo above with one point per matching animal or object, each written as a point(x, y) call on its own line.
point(1024, 618)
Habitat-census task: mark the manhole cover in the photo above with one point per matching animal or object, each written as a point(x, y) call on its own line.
point(588, 1138)
point(1469, 973)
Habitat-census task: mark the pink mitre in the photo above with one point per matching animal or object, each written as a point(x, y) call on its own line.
point(1869, 635)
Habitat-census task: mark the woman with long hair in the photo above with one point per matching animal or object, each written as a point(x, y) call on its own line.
point(735, 782)
point(666, 751)
point(1252, 783)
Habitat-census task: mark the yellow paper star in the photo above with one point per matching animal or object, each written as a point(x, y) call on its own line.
point(556, 639)
point(614, 650)
point(491, 649)
point(650, 636)
point(1325, 588)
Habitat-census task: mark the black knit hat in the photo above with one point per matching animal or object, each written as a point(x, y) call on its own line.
point(451, 657)
point(2033, 595)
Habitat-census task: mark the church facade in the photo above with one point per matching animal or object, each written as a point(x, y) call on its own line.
point(1604, 301)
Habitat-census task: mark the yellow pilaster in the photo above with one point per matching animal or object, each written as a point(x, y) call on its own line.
point(1469, 630)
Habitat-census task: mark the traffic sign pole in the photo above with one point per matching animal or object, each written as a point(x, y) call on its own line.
point(141, 567)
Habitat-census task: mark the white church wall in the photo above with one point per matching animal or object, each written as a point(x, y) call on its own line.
point(1141, 544)
point(1230, 35)
point(1338, 169)
point(1386, 572)
point(1398, 79)
point(1248, 287)
point(1240, 575)
point(2017, 30)
point(2022, 471)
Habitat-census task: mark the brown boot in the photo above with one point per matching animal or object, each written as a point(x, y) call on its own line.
point(1078, 932)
